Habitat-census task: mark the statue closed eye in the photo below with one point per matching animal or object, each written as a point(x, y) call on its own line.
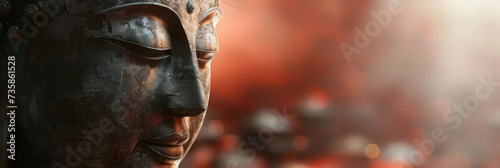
point(109, 83)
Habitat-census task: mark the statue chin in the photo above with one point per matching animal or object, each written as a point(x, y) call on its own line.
point(107, 83)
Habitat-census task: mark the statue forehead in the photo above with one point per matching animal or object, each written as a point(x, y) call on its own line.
point(179, 6)
point(188, 17)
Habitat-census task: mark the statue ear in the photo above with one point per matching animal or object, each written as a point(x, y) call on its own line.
point(206, 38)
point(211, 15)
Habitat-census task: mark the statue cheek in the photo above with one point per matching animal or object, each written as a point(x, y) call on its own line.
point(195, 126)
point(205, 78)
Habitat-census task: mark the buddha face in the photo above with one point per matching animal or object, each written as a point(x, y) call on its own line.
point(125, 86)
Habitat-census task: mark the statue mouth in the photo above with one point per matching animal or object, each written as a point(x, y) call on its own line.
point(167, 148)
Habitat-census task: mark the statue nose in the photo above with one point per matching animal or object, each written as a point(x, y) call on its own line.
point(178, 89)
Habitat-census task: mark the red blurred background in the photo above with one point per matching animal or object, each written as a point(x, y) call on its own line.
point(285, 54)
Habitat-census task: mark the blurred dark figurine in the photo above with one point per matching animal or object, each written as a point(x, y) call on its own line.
point(107, 83)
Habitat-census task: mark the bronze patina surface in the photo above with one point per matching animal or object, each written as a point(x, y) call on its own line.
point(108, 83)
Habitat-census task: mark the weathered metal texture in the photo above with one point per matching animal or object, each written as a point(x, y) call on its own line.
point(110, 83)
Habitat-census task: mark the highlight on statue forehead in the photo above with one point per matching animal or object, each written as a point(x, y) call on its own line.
point(186, 4)
point(78, 7)
point(183, 8)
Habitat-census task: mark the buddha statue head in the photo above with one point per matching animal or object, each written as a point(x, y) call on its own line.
point(108, 83)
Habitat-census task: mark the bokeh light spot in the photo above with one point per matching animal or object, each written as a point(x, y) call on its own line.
point(316, 101)
point(300, 143)
point(372, 151)
point(216, 127)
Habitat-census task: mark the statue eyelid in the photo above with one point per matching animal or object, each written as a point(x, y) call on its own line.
point(163, 17)
point(144, 51)
point(144, 35)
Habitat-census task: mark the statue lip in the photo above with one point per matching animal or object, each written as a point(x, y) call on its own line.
point(170, 139)
point(168, 147)
point(166, 154)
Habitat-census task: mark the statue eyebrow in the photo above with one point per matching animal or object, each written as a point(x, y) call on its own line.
point(139, 4)
point(152, 9)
